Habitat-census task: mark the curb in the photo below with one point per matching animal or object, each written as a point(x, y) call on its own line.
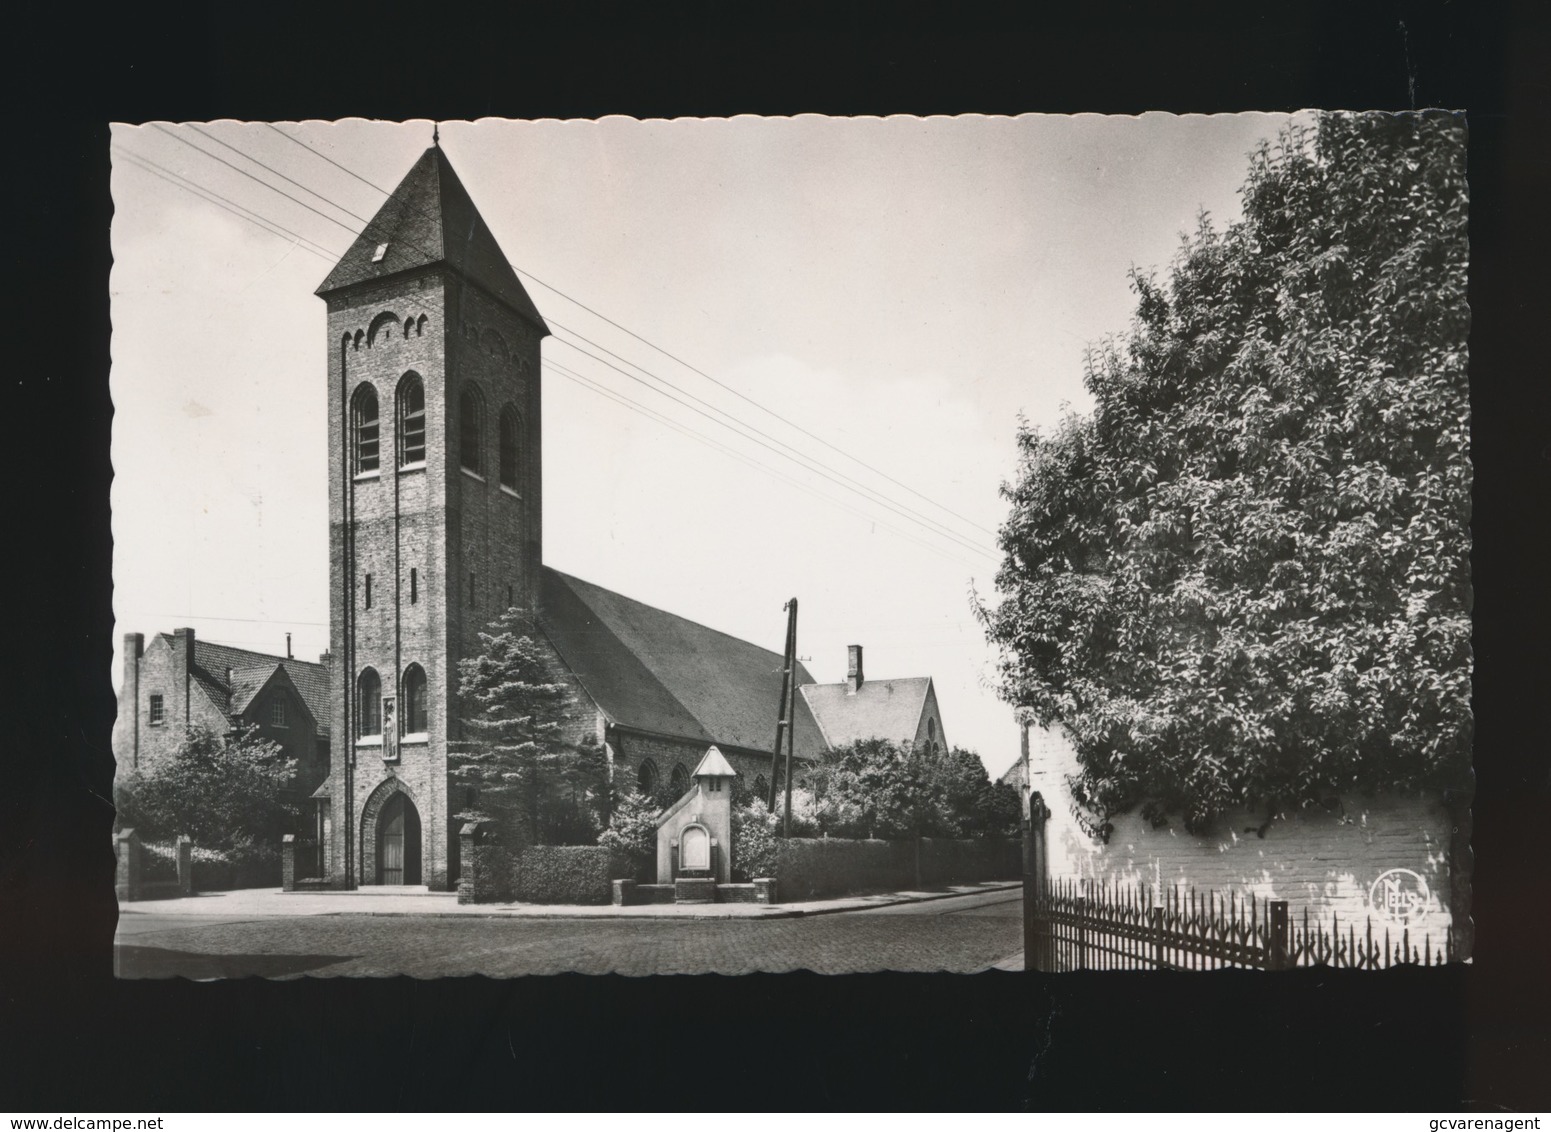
point(777, 913)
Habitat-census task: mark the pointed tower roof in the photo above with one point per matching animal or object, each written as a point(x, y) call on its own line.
point(430, 219)
point(714, 765)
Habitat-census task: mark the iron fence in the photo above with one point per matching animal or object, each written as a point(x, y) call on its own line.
point(1070, 926)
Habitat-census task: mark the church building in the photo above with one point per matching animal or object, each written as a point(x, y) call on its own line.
point(435, 435)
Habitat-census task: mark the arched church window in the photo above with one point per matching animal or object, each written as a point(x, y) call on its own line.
point(471, 422)
point(511, 431)
point(680, 780)
point(367, 439)
point(368, 704)
point(411, 421)
point(646, 778)
point(414, 715)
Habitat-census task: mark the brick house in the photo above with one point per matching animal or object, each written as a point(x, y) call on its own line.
point(903, 710)
point(178, 681)
point(435, 527)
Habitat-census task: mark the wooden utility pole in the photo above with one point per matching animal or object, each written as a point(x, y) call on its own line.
point(785, 716)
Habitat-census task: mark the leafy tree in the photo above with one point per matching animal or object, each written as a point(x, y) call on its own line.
point(755, 830)
point(632, 829)
point(876, 788)
point(230, 793)
point(1243, 578)
point(528, 779)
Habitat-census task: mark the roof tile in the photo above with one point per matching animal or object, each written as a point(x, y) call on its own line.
point(430, 219)
point(658, 672)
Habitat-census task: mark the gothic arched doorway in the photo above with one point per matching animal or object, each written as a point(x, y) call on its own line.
point(398, 841)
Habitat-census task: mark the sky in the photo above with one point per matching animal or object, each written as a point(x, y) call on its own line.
point(877, 299)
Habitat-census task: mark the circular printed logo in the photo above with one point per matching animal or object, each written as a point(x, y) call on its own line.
point(1400, 896)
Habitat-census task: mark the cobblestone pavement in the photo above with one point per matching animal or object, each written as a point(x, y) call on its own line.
point(963, 934)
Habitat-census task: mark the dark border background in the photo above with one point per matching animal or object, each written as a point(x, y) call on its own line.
point(72, 1039)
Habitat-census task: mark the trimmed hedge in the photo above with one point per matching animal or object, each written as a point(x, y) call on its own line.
point(566, 874)
point(540, 874)
point(966, 862)
point(815, 868)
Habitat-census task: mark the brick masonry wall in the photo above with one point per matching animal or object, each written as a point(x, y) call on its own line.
point(630, 750)
point(160, 671)
point(298, 738)
point(437, 521)
point(1323, 861)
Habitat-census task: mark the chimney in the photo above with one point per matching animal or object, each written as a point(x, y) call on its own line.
point(183, 662)
point(853, 669)
point(326, 658)
point(288, 646)
point(129, 708)
point(183, 649)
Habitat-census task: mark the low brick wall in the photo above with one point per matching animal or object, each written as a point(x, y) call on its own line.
point(815, 868)
point(1323, 862)
point(149, 871)
point(735, 894)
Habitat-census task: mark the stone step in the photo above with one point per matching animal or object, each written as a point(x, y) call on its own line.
point(399, 890)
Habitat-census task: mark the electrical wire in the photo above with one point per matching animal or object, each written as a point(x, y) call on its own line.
point(824, 470)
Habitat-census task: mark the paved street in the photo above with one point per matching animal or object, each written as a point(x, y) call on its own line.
point(961, 933)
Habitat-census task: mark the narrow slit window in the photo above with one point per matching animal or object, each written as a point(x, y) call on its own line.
point(411, 422)
point(471, 589)
point(414, 586)
point(368, 591)
point(509, 602)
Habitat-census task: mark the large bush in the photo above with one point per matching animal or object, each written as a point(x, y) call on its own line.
point(880, 789)
point(226, 793)
point(754, 841)
point(631, 834)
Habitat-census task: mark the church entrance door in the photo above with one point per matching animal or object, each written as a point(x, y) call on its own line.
point(398, 842)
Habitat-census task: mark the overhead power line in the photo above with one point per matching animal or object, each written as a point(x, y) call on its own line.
point(694, 434)
point(808, 463)
point(669, 354)
point(815, 467)
point(946, 531)
point(231, 206)
point(829, 472)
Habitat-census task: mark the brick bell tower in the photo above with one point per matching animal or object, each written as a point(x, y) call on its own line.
point(434, 511)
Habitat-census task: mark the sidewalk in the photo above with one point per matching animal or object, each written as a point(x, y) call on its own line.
point(258, 902)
